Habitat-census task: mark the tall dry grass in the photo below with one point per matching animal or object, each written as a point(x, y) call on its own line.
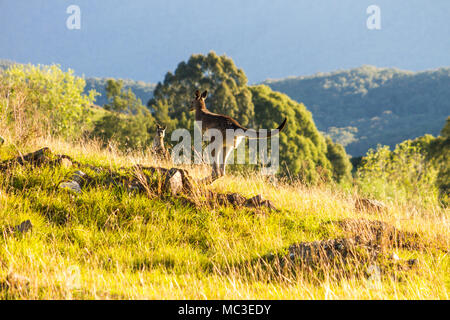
point(116, 245)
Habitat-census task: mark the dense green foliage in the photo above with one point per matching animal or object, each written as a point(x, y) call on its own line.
point(358, 108)
point(226, 84)
point(416, 170)
point(141, 89)
point(373, 105)
point(129, 124)
point(339, 159)
point(439, 154)
point(303, 150)
point(43, 100)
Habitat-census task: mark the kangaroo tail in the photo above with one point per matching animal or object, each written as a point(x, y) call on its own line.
point(257, 134)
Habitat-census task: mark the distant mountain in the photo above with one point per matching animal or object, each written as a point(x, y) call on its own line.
point(142, 90)
point(367, 106)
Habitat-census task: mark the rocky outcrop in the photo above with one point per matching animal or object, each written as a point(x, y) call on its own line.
point(370, 205)
point(366, 246)
point(38, 158)
point(237, 200)
point(21, 228)
point(153, 180)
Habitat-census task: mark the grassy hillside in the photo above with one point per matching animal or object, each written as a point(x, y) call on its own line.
point(120, 231)
point(367, 106)
point(107, 243)
point(142, 90)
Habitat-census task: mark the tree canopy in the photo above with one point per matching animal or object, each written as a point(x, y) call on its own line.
point(42, 100)
point(303, 149)
point(227, 85)
point(142, 90)
point(128, 123)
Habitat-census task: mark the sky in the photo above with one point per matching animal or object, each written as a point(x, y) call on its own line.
point(144, 39)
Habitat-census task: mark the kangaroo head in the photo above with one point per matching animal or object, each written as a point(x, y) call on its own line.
point(199, 100)
point(160, 131)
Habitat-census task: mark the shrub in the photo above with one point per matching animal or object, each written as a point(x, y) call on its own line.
point(43, 100)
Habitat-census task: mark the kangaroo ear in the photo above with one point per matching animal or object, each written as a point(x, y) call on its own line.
point(197, 93)
point(204, 94)
point(165, 127)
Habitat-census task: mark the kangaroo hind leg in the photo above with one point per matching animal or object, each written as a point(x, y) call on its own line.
point(226, 153)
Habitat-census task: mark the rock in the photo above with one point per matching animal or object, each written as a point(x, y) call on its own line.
point(234, 199)
point(370, 205)
point(258, 201)
point(174, 181)
point(237, 200)
point(24, 227)
point(65, 162)
point(413, 262)
point(374, 272)
point(78, 180)
point(79, 177)
point(36, 158)
point(381, 234)
point(135, 186)
point(188, 185)
point(17, 281)
point(62, 160)
point(324, 250)
point(71, 185)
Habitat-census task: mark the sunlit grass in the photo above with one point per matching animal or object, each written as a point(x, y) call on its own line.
point(108, 244)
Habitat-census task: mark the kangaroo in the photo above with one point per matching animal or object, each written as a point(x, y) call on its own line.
point(158, 143)
point(222, 122)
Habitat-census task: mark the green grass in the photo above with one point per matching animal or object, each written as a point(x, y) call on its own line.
point(108, 244)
